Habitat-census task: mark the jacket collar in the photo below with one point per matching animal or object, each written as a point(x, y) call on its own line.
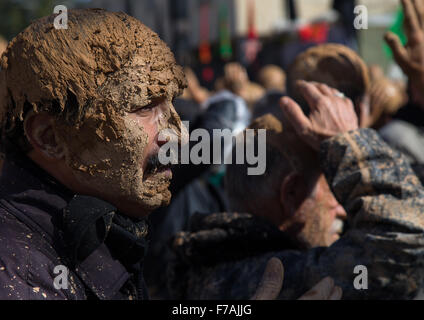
point(38, 200)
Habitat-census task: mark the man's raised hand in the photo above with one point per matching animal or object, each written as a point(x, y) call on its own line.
point(410, 58)
point(330, 113)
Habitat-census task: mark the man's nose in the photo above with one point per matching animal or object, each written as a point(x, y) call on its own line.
point(162, 139)
point(339, 210)
point(177, 126)
point(170, 121)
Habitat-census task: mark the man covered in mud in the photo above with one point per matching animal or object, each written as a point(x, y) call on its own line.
point(81, 109)
point(383, 198)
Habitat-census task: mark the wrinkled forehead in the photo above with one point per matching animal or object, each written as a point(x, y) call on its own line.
point(151, 73)
point(138, 84)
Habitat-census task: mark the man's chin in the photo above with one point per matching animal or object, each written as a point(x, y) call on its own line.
point(165, 174)
point(149, 194)
point(160, 199)
point(334, 238)
point(161, 174)
point(141, 207)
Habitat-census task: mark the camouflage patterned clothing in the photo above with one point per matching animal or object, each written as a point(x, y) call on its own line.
point(385, 205)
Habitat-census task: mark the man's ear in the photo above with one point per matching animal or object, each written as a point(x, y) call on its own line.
point(293, 191)
point(39, 129)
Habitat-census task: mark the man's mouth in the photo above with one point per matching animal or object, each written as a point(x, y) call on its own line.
point(158, 170)
point(154, 166)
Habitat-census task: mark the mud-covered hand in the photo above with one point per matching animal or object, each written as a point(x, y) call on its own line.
point(272, 281)
point(324, 290)
point(410, 58)
point(330, 113)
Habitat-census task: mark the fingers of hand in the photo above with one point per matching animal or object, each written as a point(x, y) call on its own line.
point(349, 115)
point(419, 8)
point(324, 89)
point(399, 52)
point(272, 281)
point(411, 17)
point(295, 115)
point(310, 92)
point(336, 293)
point(325, 96)
point(365, 111)
point(323, 290)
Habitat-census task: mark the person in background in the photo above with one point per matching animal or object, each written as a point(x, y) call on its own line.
point(406, 131)
point(236, 80)
point(410, 59)
point(194, 91)
point(273, 79)
point(336, 66)
point(386, 98)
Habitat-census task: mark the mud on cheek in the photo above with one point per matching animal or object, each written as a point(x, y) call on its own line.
point(103, 150)
point(115, 160)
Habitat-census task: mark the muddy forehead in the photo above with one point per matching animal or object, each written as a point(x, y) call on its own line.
point(140, 83)
point(98, 47)
point(151, 73)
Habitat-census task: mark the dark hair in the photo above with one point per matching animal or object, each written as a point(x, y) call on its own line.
point(247, 193)
point(13, 138)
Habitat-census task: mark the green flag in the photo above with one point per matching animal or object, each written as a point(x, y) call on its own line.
point(396, 28)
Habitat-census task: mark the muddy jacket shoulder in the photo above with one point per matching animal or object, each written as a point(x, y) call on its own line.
point(32, 253)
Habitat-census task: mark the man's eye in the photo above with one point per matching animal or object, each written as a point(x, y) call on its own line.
point(150, 106)
point(145, 108)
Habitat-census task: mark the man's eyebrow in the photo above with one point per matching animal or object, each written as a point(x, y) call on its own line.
point(149, 102)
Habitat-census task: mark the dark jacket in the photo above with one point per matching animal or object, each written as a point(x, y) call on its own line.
point(32, 244)
point(411, 113)
point(385, 205)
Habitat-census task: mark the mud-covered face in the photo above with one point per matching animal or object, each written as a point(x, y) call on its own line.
point(114, 153)
point(322, 217)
